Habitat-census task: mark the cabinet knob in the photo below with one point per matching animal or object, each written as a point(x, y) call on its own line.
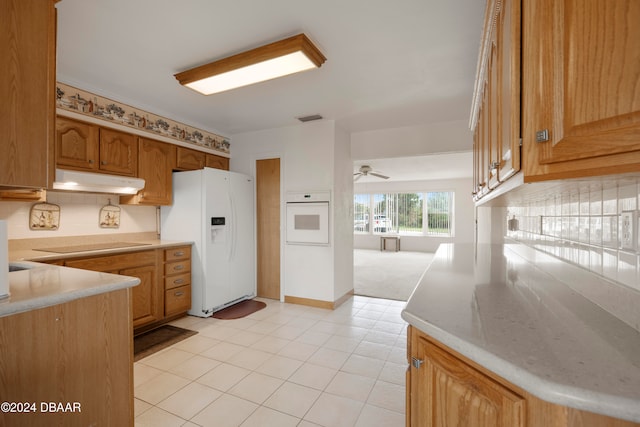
point(542, 135)
point(178, 281)
point(178, 253)
point(178, 267)
point(416, 362)
point(90, 161)
point(103, 162)
point(178, 294)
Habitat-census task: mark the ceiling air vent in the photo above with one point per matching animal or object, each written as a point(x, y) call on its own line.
point(310, 118)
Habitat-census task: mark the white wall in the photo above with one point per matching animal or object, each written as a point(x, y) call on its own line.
point(308, 155)
point(464, 228)
point(79, 215)
point(343, 215)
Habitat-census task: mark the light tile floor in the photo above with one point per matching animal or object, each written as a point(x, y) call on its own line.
point(285, 365)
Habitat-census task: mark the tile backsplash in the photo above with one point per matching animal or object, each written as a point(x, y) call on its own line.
point(594, 226)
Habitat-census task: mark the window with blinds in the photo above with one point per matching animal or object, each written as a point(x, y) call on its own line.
point(429, 213)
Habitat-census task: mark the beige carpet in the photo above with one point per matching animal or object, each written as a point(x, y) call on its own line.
point(390, 275)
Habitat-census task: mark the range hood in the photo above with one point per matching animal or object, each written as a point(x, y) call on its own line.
point(96, 182)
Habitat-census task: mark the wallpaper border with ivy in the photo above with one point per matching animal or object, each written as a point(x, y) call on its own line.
point(83, 102)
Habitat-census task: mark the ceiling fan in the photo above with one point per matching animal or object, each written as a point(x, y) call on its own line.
point(368, 170)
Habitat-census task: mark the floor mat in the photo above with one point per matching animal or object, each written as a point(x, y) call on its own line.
point(238, 310)
point(150, 342)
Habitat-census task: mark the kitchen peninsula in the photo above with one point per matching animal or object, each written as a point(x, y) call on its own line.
point(66, 342)
point(501, 325)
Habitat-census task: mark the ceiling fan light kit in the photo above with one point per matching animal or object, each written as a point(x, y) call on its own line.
point(366, 170)
point(278, 59)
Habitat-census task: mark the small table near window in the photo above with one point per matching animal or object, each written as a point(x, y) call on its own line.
point(394, 239)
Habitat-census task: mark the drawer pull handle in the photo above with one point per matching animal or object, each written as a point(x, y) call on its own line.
point(178, 281)
point(179, 253)
point(179, 294)
point(178, 267)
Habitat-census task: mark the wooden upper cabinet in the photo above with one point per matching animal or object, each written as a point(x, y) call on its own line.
point(581, 86)
point(85, 146)
point(155, 164)
point(217, 162)
point(118, 152)
point(76, 144)
point(27, 92)
point(188, 159)
point(496, 105)
point(507, 38)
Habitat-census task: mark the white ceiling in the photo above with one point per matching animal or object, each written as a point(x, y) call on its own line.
point(389, 63)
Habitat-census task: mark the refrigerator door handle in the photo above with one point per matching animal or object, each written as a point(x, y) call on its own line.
point(232, 231)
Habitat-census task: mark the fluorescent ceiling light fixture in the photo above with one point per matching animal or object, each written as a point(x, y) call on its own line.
point(96, 182)
point(267, 62)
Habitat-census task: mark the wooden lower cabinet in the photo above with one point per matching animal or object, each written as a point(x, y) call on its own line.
point(177, 280)
point(78, 353)
point(444, 389)
point(164, 291)
point(146, 297)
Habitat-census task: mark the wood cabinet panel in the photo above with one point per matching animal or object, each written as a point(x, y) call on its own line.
point(177, 267)
point(445, 391)
point(155, 164)
point(76, 144)
point(148, 295)
point(147, 307)
point(188, 159)
point(177, 280)
point(497, 98)
point(27, 91)
point(88, 147)
point(581, 83)
point(118, 152)
point(217, 162)
point(114, 262)
point(177, 300)
point(79, 351)
point(182, 252)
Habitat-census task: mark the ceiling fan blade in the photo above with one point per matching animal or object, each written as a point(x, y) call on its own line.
point(357, 173)
point(379, 175)
point(358, 177)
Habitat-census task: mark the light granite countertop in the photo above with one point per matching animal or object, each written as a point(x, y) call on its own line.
point(511, 309)
point(43, 285)
point(36, 250)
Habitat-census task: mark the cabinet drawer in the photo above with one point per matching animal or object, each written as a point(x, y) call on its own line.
point(177, 267)
point(175, 281)
point(182, 252)
point(177, 300)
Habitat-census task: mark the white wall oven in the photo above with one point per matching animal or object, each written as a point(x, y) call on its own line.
point(308, 218)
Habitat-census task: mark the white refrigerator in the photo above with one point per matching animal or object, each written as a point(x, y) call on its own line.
point(214, 209)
